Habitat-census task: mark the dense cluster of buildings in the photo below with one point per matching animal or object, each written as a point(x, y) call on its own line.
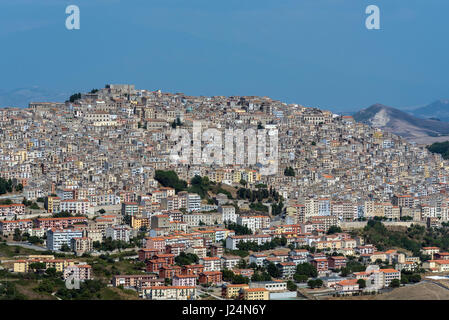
point(96, 157)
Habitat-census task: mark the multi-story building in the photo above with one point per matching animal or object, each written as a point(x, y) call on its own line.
point(11, 210)
point(169, 293)
point(184, 280)
point(255, 294)
point(79, 272)
point(120, 232)
point(287, 269)
point(193, 202)
point(9, 226)
point(56, 238)
point(81, 245)
point(211, 263)
point(59, 223)
point(254, 223)
point(233, 241)
point(228, 213)
point(80, 206)
point(130, 209)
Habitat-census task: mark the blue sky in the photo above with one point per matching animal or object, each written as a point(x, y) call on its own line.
point(312, 52)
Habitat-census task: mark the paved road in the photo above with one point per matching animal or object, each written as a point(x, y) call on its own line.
point(17, 196)
point(436, 283)
point(54, 295)
point(27, 246)
point(200, 291)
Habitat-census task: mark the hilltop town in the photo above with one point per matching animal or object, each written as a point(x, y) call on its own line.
point(89, 193)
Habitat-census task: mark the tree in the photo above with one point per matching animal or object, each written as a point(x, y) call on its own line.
point(362, 283)
point(239, 229)
point(37, 266)
point(289, 172)
point(253, 265)
point(170, 179)
point(34, 206)
point(186, 259)
point(345, 271)
point(318, 283)
point(102, 211)
point(395, 283)
point(17, 235)
point(291, 286)
point(242, 264)
point(300, 277)
point(334, 229)
point(51, 272)
point(414, 278)
point(46, 285)
point(75, 97)
point(306, 269)
point(264, 276)
point(34, 240)
point(65, 247)
point(273, 270)
point(239, 279)
point(227, 275)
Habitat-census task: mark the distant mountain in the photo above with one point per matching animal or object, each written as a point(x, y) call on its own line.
point(438, 109)
point(403, 124)
point(22, 96)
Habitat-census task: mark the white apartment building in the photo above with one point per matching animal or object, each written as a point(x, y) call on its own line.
point(254, 223)
point(75, 206)
point(228, 213)
point(233, 241)
point(121, 232)
point(193, 202)
point(57, 237)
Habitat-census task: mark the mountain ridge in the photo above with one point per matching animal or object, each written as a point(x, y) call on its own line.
point(402, 123)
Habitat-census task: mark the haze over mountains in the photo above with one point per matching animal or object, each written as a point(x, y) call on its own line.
point(407, 125)
point(21, 97)
point(438, 109)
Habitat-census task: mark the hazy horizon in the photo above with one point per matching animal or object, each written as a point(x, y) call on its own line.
point(313, 53)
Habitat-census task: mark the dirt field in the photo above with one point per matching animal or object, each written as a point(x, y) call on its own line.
point(422, 291)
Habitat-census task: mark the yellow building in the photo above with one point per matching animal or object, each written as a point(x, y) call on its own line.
point(256, 294)
point(52, 204)
point(139, 222)
point(59, 264)
point(219, 175)
point(332, 244)
point(232, 291)
point(237, 176)
point(41, 256)
point(20, 266)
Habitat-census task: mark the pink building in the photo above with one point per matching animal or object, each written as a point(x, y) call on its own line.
point(60, 223)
